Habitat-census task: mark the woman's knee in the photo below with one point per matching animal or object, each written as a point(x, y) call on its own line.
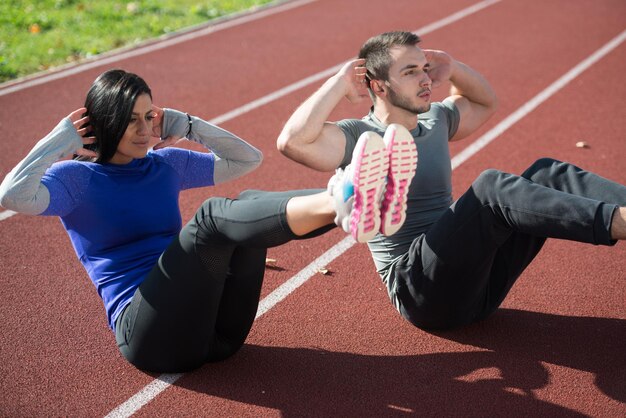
point(250, 194)
point(207, 225)
point(212, 205)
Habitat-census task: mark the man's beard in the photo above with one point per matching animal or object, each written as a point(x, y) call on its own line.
point(404, 103)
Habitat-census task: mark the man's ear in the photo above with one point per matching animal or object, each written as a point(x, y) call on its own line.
point(377, 86)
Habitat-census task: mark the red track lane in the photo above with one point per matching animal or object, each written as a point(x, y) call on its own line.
point(336, 346)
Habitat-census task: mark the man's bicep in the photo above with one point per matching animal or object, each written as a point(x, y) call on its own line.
point(471, 116)
point(326, 152)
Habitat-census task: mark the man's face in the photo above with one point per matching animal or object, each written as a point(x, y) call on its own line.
point(409, 86)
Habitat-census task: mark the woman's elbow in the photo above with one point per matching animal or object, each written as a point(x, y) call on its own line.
point(254, 162)
point(259, 159)
point(15, 204)
point(6, 199)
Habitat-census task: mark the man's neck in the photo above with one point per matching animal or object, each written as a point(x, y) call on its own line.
point(388, 115)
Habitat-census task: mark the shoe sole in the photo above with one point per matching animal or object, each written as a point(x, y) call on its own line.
point(371, 164)
point(402, 152)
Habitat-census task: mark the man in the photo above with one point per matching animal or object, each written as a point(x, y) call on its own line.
point(449, 264)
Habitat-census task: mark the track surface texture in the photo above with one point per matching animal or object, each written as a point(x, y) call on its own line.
point(335, 346)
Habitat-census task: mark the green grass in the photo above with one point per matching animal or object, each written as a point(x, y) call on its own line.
point(40, 34)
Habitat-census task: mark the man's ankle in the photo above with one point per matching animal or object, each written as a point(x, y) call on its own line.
point(618, 224)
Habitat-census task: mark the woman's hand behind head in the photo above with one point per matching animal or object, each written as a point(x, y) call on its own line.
point(81, 123)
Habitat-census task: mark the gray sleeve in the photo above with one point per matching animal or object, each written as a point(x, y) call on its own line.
point(21, 190)
point(453, 116)
point(234, 157)
point(352, 129)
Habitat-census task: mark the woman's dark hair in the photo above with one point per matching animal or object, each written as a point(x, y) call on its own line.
point(110, 102)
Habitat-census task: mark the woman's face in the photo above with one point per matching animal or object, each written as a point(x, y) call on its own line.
point(137, 139)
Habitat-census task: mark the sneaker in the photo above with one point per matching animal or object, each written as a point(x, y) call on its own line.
point(402, 153)
point(340, 187)
point(358, 189)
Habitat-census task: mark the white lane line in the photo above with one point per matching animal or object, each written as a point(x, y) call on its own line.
point(169, 40)
point(278, 93)
point(530, 105)
point(158, 385)
point(6, 214)
point(282, 291)
point(144, 396)
point(330, 71)
point(162, 382)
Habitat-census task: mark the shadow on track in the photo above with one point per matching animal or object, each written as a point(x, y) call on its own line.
point(310, 382)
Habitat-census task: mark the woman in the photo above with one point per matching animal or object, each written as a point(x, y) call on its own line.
point(175, 297)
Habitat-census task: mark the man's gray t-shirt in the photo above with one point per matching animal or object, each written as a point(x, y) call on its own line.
point(430, 193)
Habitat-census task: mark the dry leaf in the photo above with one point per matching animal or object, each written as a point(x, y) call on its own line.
point(582, 144)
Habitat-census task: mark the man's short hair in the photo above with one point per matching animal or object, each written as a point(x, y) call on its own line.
point(376, 52)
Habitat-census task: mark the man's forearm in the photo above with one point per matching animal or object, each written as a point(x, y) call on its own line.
point(470, 84)
point(306, 123)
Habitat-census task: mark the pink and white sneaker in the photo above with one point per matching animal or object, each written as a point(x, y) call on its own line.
point(400, 147)
point(357, 190)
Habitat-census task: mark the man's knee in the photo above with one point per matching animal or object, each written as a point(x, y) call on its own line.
point(488, 176)
point(540, 166)
point(486, 184)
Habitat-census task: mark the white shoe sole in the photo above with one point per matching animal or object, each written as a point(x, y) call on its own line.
point(402, 152)
point(370, 163)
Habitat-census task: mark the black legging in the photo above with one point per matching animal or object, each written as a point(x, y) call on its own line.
point(199, 302)
point(463, 267)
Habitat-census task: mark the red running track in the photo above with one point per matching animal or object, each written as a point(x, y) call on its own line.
point(335, 346)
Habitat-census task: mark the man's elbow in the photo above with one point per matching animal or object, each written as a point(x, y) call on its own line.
point(488, 100)
point(488, 108)
point(285, 143)
point(294, 150)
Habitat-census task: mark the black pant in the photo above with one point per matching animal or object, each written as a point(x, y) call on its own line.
point(200, 300)
point(463, 267)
